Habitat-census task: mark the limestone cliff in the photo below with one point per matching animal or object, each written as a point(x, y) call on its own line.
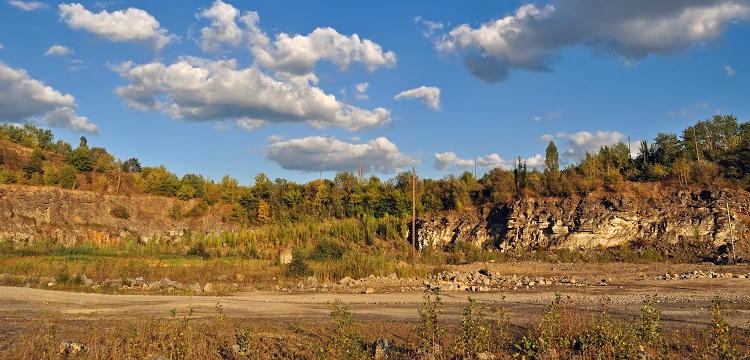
point(644, 214)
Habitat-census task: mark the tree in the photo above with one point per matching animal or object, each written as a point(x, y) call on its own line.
point(552, 169)
point(159, 181)
point(264, 211)
point(81, 159)
point(519, 175)
point(67, 177)
point(131, 165)
point(84, 142)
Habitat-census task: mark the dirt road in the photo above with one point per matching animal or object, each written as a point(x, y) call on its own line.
point(680, 301)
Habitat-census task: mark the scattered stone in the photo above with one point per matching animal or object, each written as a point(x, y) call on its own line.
point(382, 348)
point(222, 278)
point(369, 290)
point(346, 281)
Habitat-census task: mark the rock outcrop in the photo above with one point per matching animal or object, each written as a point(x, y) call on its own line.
point(29, 213)
point(598, 221)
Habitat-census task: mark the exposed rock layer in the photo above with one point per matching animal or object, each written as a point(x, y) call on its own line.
point(598, 220)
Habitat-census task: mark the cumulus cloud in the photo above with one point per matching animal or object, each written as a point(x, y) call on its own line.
point(58, 50)
point(199, 89)
point(362, 91)
point(729, 70)
point(298, 54)
point(584, 141)
point(318, 153)
point(531, 38)
point(293, 54)
point(449, 161)
point(25, 99)
point(28, 5)
point(224, 28)
point(123, 25)
point(430, 96)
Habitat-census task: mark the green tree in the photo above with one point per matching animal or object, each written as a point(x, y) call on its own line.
point(552, 169)
point(159, 181)
point(81, 159)
point(67, 177)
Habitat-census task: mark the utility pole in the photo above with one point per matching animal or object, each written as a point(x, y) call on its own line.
point(731, 238)
point(413, 216)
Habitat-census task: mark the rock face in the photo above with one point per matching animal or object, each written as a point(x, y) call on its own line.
point(28, 213)
point(597, 220)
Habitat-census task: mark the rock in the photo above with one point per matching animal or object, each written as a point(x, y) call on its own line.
point(393, 276)
point(239, 277)
point(312, 281)
point(382, 348)
point(209, 287)
point(369, 290)
point(285, 256)
point(222, 278)
point(86, 281)
point(70, 348)
point(346, 281)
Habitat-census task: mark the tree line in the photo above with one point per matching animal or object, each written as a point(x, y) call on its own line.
point(712, 152)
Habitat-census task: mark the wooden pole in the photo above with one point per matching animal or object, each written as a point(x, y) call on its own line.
point(413, 216)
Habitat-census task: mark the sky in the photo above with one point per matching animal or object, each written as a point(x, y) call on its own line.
point(304, 89)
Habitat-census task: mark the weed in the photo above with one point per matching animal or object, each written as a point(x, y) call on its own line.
point(721, 333)
point(430, 332)
point(475, 331)
point(346, 340)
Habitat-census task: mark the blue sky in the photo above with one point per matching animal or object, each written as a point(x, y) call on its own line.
point(300, 89)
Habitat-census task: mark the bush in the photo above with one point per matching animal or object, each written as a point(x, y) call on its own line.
point(299, 268)
point(120, 212)
point(328, 250)
point(198, 249)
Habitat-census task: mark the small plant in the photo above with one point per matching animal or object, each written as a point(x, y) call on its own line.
point(475, 331)
point(345, 343)
point(430, 331)
point(175, 212)
point(648, 332)
point(721, 333)
point(198, 249)
point(120, 212)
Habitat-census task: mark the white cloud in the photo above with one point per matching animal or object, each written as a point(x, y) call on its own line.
point(1, 46)
point(532, 37)
point(448, 161)
point(199, 89)
point(730, 71)
point(224, 28)
point(318, 153)
point(299, 54)
point(58, 50)
point(25, 99)
point(362, 91)
point(28, 5)
point(123, 25)
point(584, 141)
point(430, 96)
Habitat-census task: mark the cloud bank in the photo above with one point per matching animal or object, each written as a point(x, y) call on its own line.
point(531, 38)
point(449, 161)
point(200, 89)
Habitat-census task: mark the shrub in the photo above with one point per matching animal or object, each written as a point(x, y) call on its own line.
point(328, 250)
point(120, 212)
point(475, 332)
